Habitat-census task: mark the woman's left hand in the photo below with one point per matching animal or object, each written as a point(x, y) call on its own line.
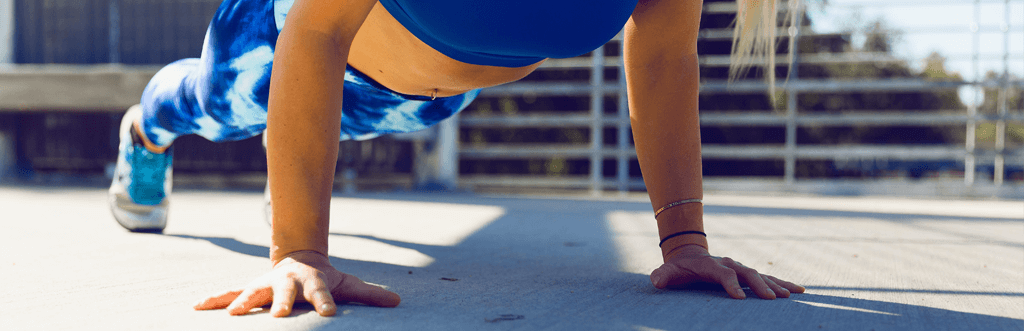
point(692, 264)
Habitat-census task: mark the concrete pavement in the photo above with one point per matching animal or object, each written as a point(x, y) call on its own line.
point(463, 261)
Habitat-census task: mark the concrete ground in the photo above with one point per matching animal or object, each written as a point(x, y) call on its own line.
point(464, 261)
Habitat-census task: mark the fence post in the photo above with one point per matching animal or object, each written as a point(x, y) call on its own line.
point(6, 31)
point(1000, 162)
point(7, 154)
point(791, 96)
point(596, 125)
point(972, 110)
point(8, 157)
point(622, 169)
point(448, 153)
point(114, 34)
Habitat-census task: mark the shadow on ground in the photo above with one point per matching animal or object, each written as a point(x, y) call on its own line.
point(551, 264)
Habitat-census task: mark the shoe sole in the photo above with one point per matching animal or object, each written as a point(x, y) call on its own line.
point(135, 217)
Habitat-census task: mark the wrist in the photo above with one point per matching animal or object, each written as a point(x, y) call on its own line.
point(683, 243)
point(688, 249)
point(681, 219)
point(310, 257)
point(289, 236)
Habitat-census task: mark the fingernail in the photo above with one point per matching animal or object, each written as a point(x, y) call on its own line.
point(657, 280)
point(740, 293)
point(325, 307)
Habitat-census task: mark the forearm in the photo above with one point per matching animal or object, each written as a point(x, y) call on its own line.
point(666, 132)
point(303, 124)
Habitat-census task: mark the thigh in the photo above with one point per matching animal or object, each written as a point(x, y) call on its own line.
point(238, 53)
point(239, 50)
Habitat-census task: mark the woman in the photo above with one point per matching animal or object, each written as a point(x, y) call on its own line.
point(409, 65)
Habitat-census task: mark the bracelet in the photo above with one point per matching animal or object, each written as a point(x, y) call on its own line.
point(680, 202)
point(679, 234)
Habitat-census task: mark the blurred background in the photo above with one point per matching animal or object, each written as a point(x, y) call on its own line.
point(902, 97)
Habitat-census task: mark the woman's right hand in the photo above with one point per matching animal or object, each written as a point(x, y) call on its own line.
point(303, 276)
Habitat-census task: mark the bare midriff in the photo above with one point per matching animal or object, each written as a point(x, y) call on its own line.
point(386, 51)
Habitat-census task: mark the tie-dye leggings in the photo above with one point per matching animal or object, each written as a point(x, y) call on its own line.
point(223, 95)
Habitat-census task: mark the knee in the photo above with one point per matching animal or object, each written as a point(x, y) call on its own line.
point(166, 84)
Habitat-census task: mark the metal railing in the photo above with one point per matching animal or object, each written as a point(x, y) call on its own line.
point(599, 89)
point(791, 119)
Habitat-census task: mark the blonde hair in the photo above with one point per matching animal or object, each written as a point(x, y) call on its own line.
point(753, 38)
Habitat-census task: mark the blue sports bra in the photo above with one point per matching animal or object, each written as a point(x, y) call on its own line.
point(512, 33)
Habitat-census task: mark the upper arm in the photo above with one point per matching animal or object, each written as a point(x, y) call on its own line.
point(311, 53)
point(659, 27)
point(337, 19)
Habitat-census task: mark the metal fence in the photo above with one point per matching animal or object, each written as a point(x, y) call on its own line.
point(110, 31)
point(793, 87)
point(133, 34)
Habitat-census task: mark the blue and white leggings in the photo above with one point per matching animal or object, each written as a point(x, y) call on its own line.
point(222, 96)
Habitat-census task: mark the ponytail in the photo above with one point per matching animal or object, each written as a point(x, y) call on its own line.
point(753, 39)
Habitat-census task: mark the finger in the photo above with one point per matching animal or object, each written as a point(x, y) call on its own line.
point(662, 276)
point(217, 301)
point(752, 278)
point(284, 298)
point(793, 288)
point(316, 292)
point(249, 299)
point(779, 290)
point(355, 290)
point(729, 280)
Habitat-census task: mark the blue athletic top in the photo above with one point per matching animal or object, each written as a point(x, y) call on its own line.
point(509, 33)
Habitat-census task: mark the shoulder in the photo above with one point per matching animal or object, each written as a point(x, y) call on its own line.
point(339, 18)
point(665, 25)
point(664, 8)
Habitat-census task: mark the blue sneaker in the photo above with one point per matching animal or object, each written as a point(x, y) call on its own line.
point(142, 180)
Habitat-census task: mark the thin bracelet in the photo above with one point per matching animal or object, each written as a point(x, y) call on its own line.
point(679, 234)
point(680, 202)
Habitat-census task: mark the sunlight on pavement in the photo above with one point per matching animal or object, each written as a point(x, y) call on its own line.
point(644, 328)
point(964, 208)
point(360, 249)
point(633, 234)
point(375, 230)
point(828, 305)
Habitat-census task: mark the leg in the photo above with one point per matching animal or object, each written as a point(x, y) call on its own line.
point(221, 96)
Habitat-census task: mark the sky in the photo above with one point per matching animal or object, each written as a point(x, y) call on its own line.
point(928, 26)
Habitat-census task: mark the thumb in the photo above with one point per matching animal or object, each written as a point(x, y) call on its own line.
point(373, 295)
point(355, 290)
point(663, 275)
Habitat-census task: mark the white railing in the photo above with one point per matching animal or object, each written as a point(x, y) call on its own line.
point(118, 86)
point(791, 119)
